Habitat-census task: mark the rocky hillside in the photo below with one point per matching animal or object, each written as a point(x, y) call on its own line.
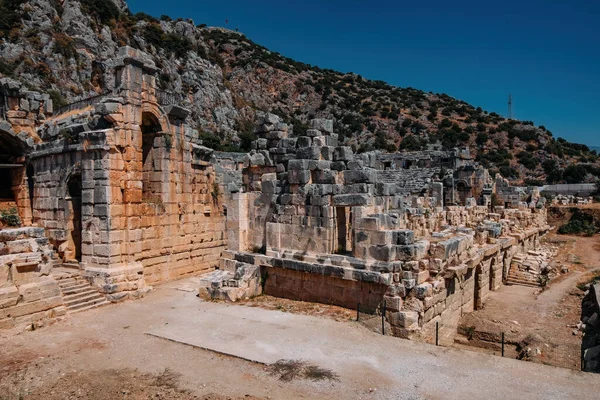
point(65, 48)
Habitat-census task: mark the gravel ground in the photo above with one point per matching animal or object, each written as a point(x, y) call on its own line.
point(108, 354)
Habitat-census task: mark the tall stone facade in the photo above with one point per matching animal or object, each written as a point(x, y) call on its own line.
point(122, 186)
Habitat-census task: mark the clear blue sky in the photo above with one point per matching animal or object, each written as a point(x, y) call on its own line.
point(545, 52)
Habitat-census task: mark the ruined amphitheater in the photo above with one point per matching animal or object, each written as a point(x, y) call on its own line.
point(116, 193)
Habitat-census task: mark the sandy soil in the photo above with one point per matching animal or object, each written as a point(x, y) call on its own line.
point(552, 313)
point(301, 307)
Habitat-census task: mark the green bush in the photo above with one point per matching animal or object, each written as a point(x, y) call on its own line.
point(579, 224)
point(410, 143)
point(575, 174)
point(57, 99)
point(171, 43)
point(104, 10)
point(10, 217)
point(63, 44)
point(10, 15)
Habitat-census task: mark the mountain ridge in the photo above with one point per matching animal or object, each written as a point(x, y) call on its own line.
point(224, 78)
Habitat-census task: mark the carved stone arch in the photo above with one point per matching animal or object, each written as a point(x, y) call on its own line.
point(70, 192)
point(13, 183)
point(154, 123)
point(159, 114)
point(15, 144)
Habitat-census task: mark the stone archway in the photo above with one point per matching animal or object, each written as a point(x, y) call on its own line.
point(14, 193)
point(74, 223)
point(493, 274)
point(151, 129)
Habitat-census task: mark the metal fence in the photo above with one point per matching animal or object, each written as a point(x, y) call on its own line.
point(504, 344)
point(501, 344)
point(373, 318)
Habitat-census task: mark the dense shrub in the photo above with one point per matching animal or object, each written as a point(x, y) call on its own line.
point(103, 10)
point(482, 138)
point(575, 174)
point(10, 217)
point(579, 224)
point(410, 143)
point(527, 160)
point(171, 43)
point(63, 44)
point(10, 15)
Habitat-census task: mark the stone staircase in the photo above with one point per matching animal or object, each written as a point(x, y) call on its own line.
point(517, 276)
point(78, 294)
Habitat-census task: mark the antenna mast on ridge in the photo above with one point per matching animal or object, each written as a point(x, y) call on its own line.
point(510, 106)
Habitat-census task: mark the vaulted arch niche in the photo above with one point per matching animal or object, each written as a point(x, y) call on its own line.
point(151, 129)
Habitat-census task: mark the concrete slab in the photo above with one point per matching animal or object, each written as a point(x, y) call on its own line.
point(346, 348)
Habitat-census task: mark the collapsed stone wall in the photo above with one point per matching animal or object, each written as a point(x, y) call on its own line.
point(28, 295)
point(320, 213)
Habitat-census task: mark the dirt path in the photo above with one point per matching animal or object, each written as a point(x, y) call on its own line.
point(551, 315)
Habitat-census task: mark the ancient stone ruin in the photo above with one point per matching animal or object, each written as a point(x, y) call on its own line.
point(115, 193)
point(315, 222)
point(117, 190)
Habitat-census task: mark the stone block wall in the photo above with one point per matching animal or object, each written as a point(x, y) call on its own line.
point(318, 288)
point(150, 203)
point(28, 296)
point(332, 223)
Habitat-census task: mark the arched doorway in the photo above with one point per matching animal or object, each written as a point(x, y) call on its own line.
point(12, 170)
point(31, 188)
point(74, 218)
point(463, 192)
point(493, 274)
point(150, 128)
point(478, 299)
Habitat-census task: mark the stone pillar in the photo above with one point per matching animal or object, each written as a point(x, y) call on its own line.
point(238, 225)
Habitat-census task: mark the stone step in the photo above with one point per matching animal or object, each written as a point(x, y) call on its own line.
point(76, 302)
point(522, 283)
point(89, 305)
point(69, 299)
point(512, 278)
point(75, 284)
point(76, 289)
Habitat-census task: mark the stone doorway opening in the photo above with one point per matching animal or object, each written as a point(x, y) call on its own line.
point(11, 173)
point(74, 225)
point(150, 128)
point(343, 216)
point(478, 300)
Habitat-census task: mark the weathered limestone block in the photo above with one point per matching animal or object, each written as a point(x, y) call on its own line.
point(360, 176)
point(322, 125)
point(403, 237)
point(351, 200)
point(343, 153)
point(382, 253)
point(309, 153)
point(404, 319)
point(423, 290)
point(416, 251)
point(393, 303)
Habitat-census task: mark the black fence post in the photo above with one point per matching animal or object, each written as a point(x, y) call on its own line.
point(358, 311)
point(437, 333)
point(502, 344)
point(383, 320)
